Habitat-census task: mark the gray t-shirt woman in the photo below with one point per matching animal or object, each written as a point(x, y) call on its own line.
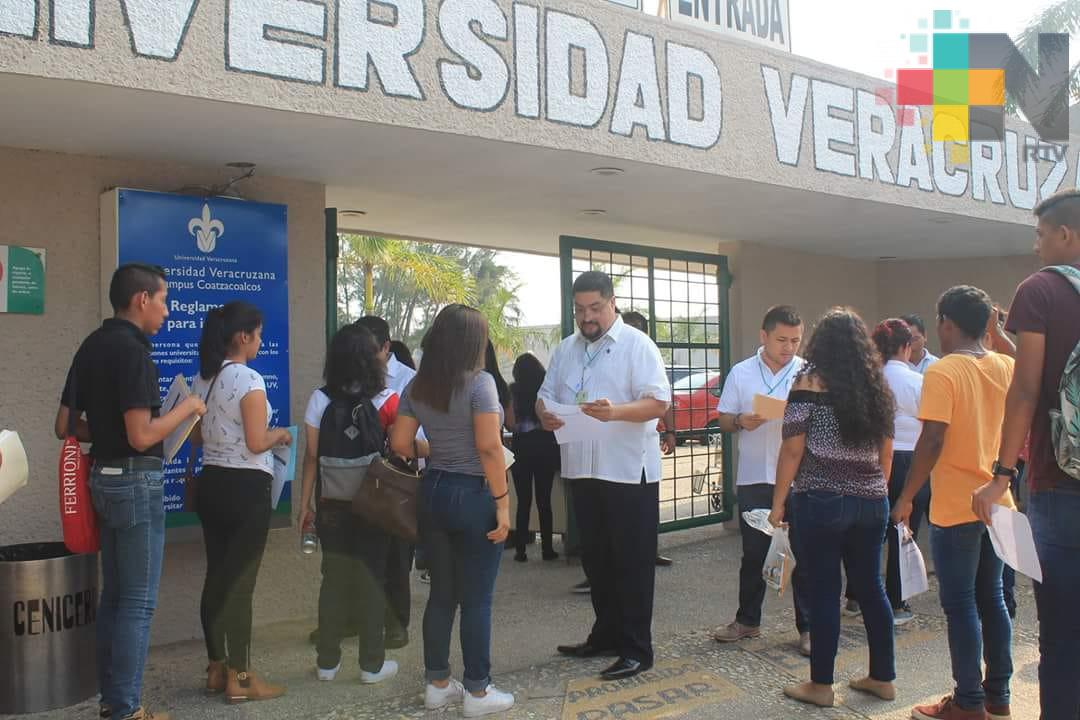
point(451, 435)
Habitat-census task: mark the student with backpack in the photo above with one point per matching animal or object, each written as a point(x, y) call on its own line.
point(345, 432)
point(1045, 397)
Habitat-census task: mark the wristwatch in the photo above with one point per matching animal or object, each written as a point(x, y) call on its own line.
point(999, 469)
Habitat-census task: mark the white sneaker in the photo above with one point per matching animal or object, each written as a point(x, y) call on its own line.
point(327, 675)
point(437, 697)
point(495, 701)
point(388, 670)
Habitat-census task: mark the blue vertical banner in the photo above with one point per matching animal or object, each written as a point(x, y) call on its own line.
point(213, 250)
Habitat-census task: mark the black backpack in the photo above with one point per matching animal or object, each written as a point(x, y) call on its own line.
point(350, 438)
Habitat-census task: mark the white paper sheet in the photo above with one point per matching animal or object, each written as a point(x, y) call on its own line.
point(14, 470)
point(1010, 533)
point(577, 426)
point(508, 457)
point(913, 580)
point(178, 392)
point(284, 467)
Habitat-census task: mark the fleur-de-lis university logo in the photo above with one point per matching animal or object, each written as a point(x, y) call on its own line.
point(206, 230)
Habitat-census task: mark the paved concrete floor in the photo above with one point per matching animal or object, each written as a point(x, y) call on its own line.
point(694, 678)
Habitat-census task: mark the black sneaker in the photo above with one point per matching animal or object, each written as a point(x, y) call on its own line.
point(582, 588)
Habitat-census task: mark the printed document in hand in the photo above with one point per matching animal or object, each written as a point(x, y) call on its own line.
point(913, 579)
point(1011, 536)
point(14, 471)
point(508, 457)
point(284, 467)
point(769, 408)
point(578, 427)
point(178, 392)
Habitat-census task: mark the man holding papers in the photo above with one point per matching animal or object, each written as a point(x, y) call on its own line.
point(113, 381)
point(608, 382)
point(752, 406)
point(1044, 316)
point(962, 405)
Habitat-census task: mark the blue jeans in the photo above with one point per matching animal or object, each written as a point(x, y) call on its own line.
point(1055, 522)
point(843, 529)
point(456, 514)
point(131, 520)
point(969, 583)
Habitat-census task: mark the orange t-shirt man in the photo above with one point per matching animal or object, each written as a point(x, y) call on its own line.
point(967, 393)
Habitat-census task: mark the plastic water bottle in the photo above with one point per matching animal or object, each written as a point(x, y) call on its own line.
point(309, 541)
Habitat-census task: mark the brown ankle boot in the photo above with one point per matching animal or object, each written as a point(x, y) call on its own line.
point(216, 677)
point(246, 687)
point(144, 714)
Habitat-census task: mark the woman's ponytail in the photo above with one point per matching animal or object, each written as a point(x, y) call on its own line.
point(214, 343)
point(220, 328)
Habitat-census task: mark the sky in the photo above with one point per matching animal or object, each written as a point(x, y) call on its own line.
point(858, 35)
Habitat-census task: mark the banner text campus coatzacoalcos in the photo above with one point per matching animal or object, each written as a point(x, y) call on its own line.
point(213, 250)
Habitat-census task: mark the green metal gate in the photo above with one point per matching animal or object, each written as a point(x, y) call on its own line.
point(685, 297)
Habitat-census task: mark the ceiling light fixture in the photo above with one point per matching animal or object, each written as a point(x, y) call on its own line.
point(607, 171)
point(594, 212)
point(886, 257)
point(352, 213)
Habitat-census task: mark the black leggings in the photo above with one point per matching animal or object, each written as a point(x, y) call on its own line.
point(536, 460)
point(234, 507)
point(354, 558)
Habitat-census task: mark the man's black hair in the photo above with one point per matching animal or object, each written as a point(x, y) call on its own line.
point(915, 321)
point(1061, 209)
point(377, 326)
point(968, 307)
point(781, 315)
point(594, 281)
point(130, 280)
point(636, 320)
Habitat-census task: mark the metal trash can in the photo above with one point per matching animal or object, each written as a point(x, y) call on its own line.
point(48, 611)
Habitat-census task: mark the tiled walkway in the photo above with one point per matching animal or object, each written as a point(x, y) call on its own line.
point(694, 677)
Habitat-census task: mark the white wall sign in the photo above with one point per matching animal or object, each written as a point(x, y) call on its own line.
point(854, 131)
point(551, 66)
point(767, 22)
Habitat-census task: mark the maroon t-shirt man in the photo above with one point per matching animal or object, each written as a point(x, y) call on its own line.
point(1047, 304)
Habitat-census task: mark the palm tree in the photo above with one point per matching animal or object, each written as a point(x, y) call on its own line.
point(438, 278)
point(1062, 16)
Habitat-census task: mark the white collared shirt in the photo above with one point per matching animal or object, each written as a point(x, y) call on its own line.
point(759, 449)
point(928, 359)
point(398, 375)
point(622, 366)
point(906, 386)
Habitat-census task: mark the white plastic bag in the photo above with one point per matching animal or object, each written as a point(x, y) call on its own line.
point(759, 520)
point(779, 562)
point(913, 579)
point(13, 466)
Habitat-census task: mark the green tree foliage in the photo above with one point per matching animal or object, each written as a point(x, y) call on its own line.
point(407, 283)
point(1058, 17)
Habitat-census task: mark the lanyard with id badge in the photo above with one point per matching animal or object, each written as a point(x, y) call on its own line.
point(581, 396)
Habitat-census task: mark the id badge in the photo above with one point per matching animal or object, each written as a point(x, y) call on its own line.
point(581, 397)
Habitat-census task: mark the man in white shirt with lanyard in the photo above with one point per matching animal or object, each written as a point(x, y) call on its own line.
point(921, 358)
point(769, 372)
point(615, 373)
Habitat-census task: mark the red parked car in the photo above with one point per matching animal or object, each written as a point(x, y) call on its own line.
point(694, 398)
